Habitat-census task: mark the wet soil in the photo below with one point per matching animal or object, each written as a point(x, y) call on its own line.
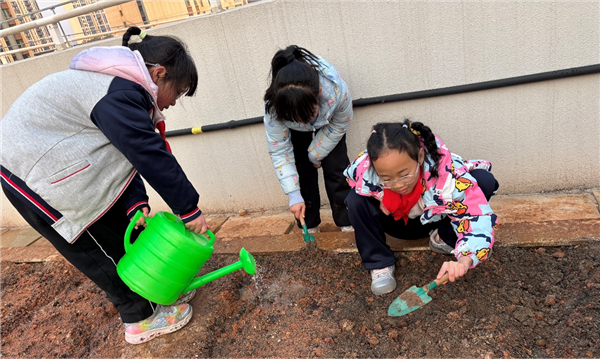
point(522, 302)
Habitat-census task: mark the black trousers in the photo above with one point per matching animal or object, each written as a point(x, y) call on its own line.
point(371, 225)
point(96, 254)
point(336, 186)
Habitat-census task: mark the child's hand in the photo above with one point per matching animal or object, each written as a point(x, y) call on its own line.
point(198, 225)
point(298, 210)
point(455, 270)
point(383, 209)
point(142, 220)
point(317, 166)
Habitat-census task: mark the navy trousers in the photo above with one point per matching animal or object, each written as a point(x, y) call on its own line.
point(96, 254)
point(371, 225)
point(336, 185)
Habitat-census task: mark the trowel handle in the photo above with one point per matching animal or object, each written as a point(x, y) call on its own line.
point(436, 282)
point(303, 224)
point(442, 280)
point(130, 228)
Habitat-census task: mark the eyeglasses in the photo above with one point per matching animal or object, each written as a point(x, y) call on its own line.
point(402, 181)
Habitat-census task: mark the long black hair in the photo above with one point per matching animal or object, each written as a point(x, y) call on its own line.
point(294, 89)
point(403, 137)
point(167, 51)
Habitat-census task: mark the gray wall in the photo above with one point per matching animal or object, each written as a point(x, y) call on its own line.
point(540, 137)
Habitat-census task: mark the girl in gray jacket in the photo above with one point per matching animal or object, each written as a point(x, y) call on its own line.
point(76, 145)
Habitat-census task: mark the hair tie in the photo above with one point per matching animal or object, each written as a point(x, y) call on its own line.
point(415, 132)
point(290, 58)
point(142, 34)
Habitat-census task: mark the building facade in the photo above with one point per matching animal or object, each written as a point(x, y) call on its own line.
point(88, 25)
point(16, 12)
point(117, 19)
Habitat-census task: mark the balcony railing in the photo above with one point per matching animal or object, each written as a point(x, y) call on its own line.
point(61, 41)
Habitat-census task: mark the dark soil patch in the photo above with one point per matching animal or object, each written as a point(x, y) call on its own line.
point(534, 302)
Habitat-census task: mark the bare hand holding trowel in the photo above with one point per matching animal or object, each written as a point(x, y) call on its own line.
point(456, 269)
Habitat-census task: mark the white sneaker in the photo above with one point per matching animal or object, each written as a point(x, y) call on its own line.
point(314, 230)
point(347, 229)
point(437, 245)
point(382, 280)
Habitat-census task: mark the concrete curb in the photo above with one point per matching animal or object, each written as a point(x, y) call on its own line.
point(525, 221)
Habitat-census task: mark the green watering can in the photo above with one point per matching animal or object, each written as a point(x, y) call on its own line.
point(163, 261)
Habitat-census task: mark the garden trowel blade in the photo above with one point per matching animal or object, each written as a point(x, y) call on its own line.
point(412, 299)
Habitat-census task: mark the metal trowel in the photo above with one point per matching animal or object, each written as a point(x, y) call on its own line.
point(414, 298)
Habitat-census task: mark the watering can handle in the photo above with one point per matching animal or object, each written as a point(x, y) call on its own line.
point(210, 235)
point(130, 227)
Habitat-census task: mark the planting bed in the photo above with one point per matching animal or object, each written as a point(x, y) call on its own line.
point(522, 302)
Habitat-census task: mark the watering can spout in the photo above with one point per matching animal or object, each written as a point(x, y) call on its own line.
point(246, 262)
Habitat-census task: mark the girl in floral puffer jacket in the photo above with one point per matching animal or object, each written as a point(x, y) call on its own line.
point(409, 185)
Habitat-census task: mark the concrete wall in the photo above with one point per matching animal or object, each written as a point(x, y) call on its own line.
point(540, 137)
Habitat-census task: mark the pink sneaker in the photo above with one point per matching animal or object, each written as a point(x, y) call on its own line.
point(166, 319)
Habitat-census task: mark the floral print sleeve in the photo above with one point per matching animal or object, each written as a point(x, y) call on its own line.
point(475, 232)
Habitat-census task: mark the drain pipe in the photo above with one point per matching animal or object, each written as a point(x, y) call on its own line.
point(452, 90)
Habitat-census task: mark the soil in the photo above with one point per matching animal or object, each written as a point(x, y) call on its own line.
point(522, 302)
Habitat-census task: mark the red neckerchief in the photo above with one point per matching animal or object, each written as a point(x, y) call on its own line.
point(400, 205)
point(161, 129)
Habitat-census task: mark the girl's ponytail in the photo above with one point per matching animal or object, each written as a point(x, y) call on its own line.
point(133, 31)
point(294, 84)
point(428, 138)
point(286, 56)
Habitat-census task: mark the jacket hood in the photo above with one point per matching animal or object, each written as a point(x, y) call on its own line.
point(121, 62)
